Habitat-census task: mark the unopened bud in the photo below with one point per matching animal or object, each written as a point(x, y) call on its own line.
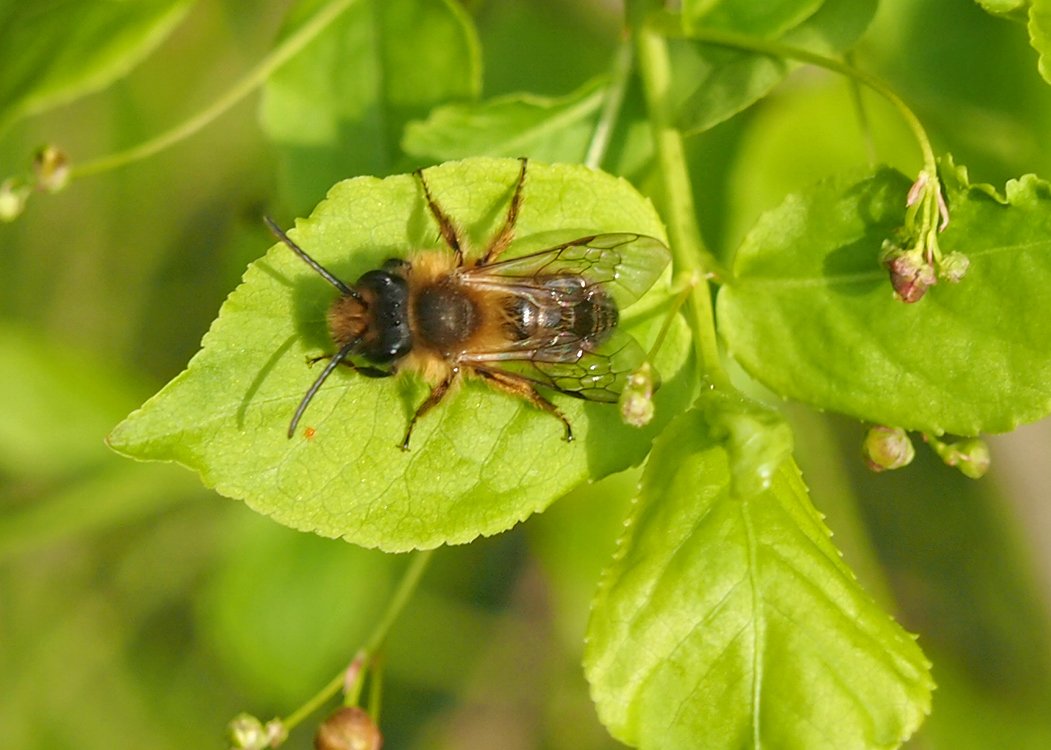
point(51, 166)
point(348, 728)
point(636, 401)
point(911, 276)
point(887, 448)
point(953, 267)
point(12, 200)
point(246, 732)
point(970, 456)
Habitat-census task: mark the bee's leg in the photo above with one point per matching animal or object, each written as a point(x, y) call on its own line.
point(437, 394)
point(445, 224)
point(524, 389)
point(366, 371)
point(503, 238)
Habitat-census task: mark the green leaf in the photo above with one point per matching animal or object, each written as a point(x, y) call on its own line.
point(810, 313)
point(1040, 34)
point(759, 17)
point(715, 83)
point(546, 128)
point(52, 51)
point(1015, 9)
point(480, 462)
point(338, 108)
point(729, 620)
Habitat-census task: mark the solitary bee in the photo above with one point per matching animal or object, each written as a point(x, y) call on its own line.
point(547, 319)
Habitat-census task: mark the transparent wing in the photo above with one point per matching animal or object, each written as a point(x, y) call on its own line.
point(625, 264)
point(597, 374)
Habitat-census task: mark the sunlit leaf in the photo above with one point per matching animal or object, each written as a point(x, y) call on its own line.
point(480, 462)
point(810, 313)
point(728, 620)
point(52, 51)
point(551, 129)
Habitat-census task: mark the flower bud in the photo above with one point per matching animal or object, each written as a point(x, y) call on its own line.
point(911, 276)
point(887, 448)
point(953, 267)
point(12, 200)
point(246, 732)
point(636, 401)
point(51, 166)
point(970, 456)
point(348, 728)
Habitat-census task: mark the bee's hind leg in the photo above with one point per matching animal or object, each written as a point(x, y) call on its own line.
point(448, 229)
point(524, 389)
point(503, 238)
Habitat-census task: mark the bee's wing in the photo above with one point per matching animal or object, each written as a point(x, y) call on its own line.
point(625, 264)
point(597, 374)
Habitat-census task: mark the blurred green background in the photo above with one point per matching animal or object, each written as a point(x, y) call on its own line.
point(137, 609)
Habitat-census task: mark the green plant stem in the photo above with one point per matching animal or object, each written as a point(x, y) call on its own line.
point(255, 78)
point(670, 25)
point(611, 105)
point(692, 259)
point(406, 587)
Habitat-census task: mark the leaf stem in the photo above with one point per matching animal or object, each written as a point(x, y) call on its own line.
point(281, 54)
point(692, 259)
point(406, 587)
point(611, 105)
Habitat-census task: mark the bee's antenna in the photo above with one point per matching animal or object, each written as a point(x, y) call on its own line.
point(332, 365)
point(324, 272)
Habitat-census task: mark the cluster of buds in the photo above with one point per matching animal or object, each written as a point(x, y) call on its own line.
point(888, 448)
point(912, 256)
point(969, 455)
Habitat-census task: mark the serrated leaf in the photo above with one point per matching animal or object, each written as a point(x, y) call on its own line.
point(716, 83)
point(480, 462)
point(52, 51)
point(338, 108)
point(546, 128)
point(729, 620)
point(810, 313)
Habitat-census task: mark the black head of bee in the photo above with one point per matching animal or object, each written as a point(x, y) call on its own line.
point(387, 336)
point(369, 319)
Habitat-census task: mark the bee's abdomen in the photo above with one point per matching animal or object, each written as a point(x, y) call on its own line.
point(565, 308)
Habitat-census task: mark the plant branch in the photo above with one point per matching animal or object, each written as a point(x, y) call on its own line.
point(611, 105)
point(692, 259)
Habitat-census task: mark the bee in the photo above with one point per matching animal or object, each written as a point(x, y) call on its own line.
point(546, 320)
